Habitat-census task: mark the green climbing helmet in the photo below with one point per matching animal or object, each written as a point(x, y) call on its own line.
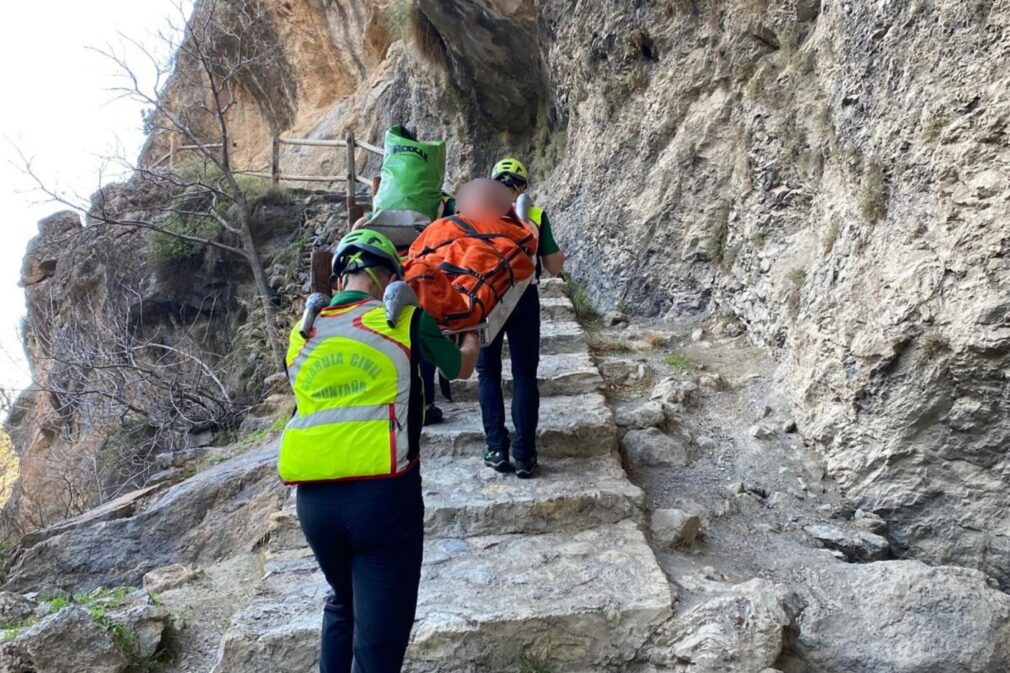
point(362, 249)
point(510, 172)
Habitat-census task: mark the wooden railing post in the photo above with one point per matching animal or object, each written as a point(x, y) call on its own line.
point(275, 162)
point(354, 211)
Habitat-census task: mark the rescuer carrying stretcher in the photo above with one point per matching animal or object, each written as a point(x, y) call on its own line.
point(354, 364)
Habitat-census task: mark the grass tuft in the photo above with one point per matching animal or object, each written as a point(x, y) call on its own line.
point(798, 276)
point(716, 245)
point(678, 361)
point(584, 310)
point(832, 235)
point(873, 193)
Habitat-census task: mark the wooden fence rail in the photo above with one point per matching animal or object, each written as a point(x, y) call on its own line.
point(276, 175)
point(174, 149)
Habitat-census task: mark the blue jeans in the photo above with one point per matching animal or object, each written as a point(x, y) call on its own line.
point(523, 332)
point(367, 537)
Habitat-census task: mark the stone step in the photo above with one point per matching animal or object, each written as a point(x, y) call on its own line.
point(558, 374)
point(581, 601)
point(553, 287)
point(575, 425)
point(556, 309)
point(561, 336)
point(463, 497)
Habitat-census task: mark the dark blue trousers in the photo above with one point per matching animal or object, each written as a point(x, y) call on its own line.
point(428, 381)
point(523, 332)
point(367, 537)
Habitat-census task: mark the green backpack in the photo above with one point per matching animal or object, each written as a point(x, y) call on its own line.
point(412, 174)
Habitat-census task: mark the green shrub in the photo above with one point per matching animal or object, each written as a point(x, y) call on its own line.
point(164, 247)
point(12, 630)
point(798, 277)
point(678, 361)
point(225, 436)
point(584, 311)
point(57, 604)
point(291, 254)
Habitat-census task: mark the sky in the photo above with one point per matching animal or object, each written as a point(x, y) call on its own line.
point(57, 109)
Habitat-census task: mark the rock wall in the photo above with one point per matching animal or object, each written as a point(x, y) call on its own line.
point(835, 175)
point(832, 173)
point(122, 328)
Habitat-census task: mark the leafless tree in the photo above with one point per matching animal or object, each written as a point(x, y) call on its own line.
point(115, 399)
point(216, 55)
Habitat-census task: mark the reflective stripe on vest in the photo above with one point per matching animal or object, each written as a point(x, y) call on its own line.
point(352, 382)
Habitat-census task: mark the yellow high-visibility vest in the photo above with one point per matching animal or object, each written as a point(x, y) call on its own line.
point(537, 215)
point(352, 382)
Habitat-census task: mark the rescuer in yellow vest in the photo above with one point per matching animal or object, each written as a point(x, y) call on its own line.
point(523, 332)
point(352, 448)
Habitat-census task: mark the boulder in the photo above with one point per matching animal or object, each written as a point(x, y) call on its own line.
point(712, 381)
point(857, 545)
point(69, 641)
point(146, 625)
point(279, 405)
point(903, 617)
point(653, 448)
point(646, 415)
point(674, 527)
point(167, 577)
point(741, 629)
point(15, 607)
point(614, 318)
point(705, 443)
point(870, 521)
point(762, 431)
point(674, 390)
point(617, 371)
point(217, 513)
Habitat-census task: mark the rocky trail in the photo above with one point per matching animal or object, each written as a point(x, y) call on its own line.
point(556, 568)
point(679, 524)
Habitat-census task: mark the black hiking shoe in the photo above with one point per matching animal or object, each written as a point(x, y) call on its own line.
point(433, 415)
point(498, 460)
point(525, 469)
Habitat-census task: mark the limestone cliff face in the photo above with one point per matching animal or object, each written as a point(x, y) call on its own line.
point(833, 174)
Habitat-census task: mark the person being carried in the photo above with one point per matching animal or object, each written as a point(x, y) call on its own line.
point(353, 449)
point(523, 332)
point(433, 415)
